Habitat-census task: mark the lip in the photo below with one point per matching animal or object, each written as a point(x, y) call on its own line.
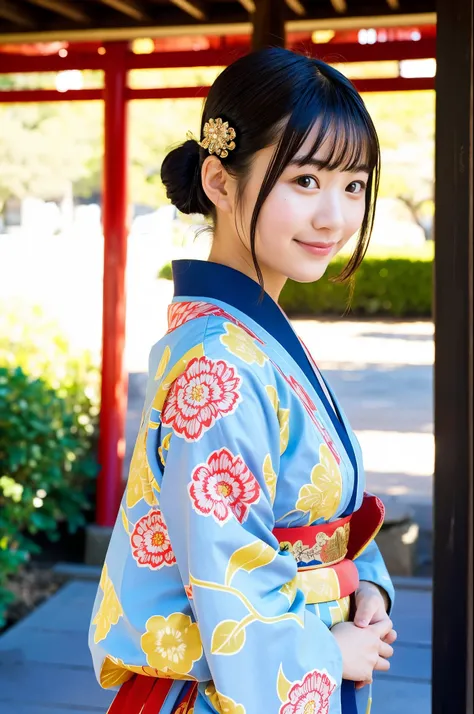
point(321, 249)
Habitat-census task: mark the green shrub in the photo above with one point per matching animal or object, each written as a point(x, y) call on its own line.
point(383, 286)
point(48, 436)
point(166, 272)
point(397, 287)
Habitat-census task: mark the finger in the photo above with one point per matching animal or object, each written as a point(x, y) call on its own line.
point(383, 665)
point(391, 637)
point(364, 613)
point(361, 685)
point(383, 627)
point(385, 650)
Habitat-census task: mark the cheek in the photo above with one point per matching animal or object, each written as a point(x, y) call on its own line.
point(353, 217)
point(282, 214)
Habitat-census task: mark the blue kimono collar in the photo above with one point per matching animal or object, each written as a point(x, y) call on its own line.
point(202, 279)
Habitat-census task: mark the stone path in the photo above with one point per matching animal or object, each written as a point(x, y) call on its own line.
point(45, 665)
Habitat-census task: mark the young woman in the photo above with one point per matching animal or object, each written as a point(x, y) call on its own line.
point(242, 574)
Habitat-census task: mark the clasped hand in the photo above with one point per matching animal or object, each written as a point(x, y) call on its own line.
point(366, 643)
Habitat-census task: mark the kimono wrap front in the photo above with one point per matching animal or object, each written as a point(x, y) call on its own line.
point(210, 586)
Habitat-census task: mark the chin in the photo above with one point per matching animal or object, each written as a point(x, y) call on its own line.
point(308, 273)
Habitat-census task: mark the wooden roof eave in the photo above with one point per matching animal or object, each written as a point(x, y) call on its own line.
point(240, 28)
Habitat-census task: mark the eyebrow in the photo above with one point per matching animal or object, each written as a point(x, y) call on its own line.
point(301, 161)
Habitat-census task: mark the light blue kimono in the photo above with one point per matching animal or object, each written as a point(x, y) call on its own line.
point(239, 436)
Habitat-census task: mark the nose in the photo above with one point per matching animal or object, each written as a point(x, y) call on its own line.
point(328, 213)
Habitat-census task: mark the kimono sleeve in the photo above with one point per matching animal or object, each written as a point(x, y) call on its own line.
point(265, 649)
point(371, 567)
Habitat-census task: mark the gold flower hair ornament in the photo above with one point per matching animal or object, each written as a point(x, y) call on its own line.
point(218, 137)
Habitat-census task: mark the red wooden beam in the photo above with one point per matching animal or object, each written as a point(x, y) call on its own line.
point(114, 218)
point(394, 84)
point(168, 93)
point(387, 84)
point(378, 52)
point(10, 63)
point(350, 52)
point(50, 95)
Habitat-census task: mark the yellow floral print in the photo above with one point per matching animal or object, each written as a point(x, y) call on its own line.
point(240, 343)
point(284, 421)
point(165, 358)
point(110, 610)
point(176, 371)
point(141, 477)
point(172, 644)
point(283, 417)
point(273, 396)
point(270, 477)
point(321, 497)
point(114, 672)
point(289, 589)
point(222, 704)
point(165, 445)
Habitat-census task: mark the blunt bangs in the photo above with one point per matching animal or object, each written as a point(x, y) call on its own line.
point(344, 131)
point(348, 139)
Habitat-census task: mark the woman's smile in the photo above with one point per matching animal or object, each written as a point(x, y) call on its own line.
point(320, 248)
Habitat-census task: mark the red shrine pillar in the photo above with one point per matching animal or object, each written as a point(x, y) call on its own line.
point(114, 219)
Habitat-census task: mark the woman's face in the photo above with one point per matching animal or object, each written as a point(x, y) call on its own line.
point(308, 217)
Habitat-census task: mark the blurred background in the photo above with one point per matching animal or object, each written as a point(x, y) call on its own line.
point(377, 351)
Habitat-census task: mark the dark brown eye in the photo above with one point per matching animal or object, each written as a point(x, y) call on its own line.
point(307, 182)
point(356, 187)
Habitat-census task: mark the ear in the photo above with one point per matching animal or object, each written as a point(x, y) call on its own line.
point(217, 184)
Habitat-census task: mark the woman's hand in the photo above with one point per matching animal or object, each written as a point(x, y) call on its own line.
point(371, 607)
point(371, 604)
point(363, 649)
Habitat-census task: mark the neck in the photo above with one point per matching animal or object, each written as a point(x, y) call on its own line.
point(239, 258)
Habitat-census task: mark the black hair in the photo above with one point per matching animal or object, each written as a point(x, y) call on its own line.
point(276, 96)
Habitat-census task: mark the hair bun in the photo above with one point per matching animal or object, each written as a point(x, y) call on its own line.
point(180, 173)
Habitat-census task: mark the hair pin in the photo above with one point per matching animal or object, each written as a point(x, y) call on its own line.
point(218, 137)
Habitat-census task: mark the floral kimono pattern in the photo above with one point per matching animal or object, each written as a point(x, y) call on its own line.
point(236, 442)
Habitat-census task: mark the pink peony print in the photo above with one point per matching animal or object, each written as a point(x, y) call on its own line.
point(205, 392)
point(311, 409)
point(309, 405)
point(310, 696)
point(224, 486)
point(151, 546)
point(180, 312)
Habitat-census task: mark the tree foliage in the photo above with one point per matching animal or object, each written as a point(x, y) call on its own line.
point(44, 146)
point(406, 128)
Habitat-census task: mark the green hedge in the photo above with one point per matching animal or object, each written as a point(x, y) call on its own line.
point(49, 407)
point(397, 287)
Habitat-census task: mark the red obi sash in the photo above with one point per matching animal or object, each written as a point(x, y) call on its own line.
point(325, 553)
